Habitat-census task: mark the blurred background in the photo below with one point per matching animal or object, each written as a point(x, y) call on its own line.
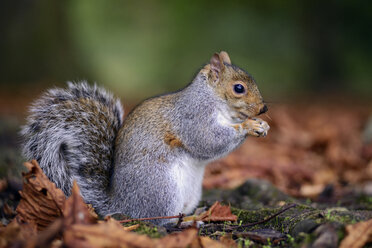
point(301, 53)
point(142, 48)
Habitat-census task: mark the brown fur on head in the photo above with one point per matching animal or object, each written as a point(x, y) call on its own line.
point(224, 77)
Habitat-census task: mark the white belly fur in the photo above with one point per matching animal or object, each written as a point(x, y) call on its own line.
point(223, 117)
point(188, 174)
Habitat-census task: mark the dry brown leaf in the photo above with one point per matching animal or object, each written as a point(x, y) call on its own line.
point(208, 242)
point(303, 148)
point(228, 241)
point(75, 211)
point(21, 234)
point(187, 238)
point(112, 234)
point(131, 228)
point(92, 211)
point(104, 234)
point(9, 211)
point(16, 232)
point(3, 184)
point(311, 190)
point(217, 213)
point(48, 236)
point(41, 201)
point(109, 218)
point(358, 235)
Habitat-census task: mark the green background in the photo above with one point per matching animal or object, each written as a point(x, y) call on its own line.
point(141, 48)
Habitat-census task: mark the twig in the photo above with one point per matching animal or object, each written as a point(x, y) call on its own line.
point(270, 217)
point(180, 217)
point(231, 228)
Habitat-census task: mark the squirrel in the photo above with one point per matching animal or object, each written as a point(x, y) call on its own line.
point(152, 162)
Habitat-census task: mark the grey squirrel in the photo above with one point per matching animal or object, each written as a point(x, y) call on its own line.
point(152, 163)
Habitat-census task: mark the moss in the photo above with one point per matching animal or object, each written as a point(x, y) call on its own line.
point(253, 194)
point(147, 228)
point(284, 222)
point(303, 207)
point(341, 234)
point(365, 201)
point(341, 215)
point(247, 216)
point(305, 238)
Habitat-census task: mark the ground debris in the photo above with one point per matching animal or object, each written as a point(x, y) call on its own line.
point(41, 201)
point(217, 213)
point(75, 211)
point(262, 236)
point(358, 235)
point(18, 233)
point(72, 223)
point(326, 236)
point(308, 148)
point(317, 154)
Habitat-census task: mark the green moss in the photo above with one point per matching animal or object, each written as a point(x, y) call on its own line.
point(365, 201)
point(341, 215)
point(249, 216)
point(303, 207)
point(147, 228)
point(306, 238)
point(284, 222)
point(341, 234)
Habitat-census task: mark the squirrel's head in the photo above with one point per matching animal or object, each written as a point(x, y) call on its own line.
point(235, 86)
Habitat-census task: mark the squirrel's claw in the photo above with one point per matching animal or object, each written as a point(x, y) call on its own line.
point(256, 127)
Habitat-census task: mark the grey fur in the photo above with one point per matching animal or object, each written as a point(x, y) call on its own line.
point(63, 136)
point(151, 164)
point(144, 181)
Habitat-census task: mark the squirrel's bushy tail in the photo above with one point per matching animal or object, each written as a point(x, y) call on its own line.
point(71, 133)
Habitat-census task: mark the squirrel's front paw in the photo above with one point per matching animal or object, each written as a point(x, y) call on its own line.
point(256, 127)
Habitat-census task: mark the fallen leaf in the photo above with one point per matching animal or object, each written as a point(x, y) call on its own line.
point(3, 184)
point(112, 234)
point(228, 241)
point(301, 149)
point(187, 238)
point(104, 234)
point(17, 232)
point(41, 201)
point(263, 236)
point(311, 190)
point(358, 235)
point(109, 218)
point(48, 236)
point(208, 242)
point(75, 211)
point(92, 211)
point(131, 228)
point(217, 212)
point(9, 211)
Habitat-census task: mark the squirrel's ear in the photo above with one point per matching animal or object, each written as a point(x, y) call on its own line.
point(225, 57)
point(217, 64)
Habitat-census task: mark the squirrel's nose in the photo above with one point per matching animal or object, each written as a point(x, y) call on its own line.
point(263, 110)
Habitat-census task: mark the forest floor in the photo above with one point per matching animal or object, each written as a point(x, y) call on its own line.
point(315, 164)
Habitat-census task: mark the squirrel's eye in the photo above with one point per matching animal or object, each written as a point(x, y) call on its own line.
point(238, 88)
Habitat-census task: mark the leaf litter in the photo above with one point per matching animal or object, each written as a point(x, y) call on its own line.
point(303, 155)
point(309, 147)
point(46, 218)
